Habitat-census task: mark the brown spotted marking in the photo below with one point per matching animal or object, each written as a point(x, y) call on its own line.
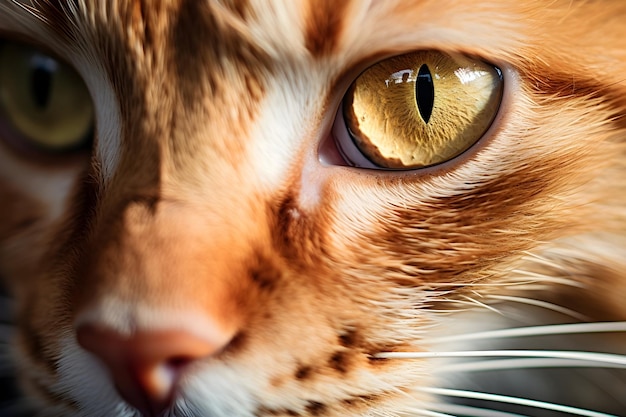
point(340, 361)
point(264, 272)
point(303, 372)
point(315, 408)
point(350, 337)
point(264, 411)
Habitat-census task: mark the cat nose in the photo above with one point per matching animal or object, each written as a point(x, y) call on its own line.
point(147, 365)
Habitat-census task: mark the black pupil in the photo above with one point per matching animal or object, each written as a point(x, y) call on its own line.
point(425, 92)
point(41, 80)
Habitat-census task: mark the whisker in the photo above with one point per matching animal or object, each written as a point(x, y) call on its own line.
point(427, 413)
point(473, 301)
point(549, 330)
point(542, 278)
point(543, 304)
point(467, 410)
point(542, 260)
point(555, 354)
point(504, 364)
point(513, 400)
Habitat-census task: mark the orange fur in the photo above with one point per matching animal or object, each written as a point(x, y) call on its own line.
point(216, 202)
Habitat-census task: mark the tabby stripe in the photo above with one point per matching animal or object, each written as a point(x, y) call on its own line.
point(562, 85)
point(324, 26)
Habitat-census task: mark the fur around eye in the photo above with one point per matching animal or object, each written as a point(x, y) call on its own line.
point(417, 110)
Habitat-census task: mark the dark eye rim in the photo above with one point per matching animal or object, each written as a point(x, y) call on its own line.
point(12, 138)
point(331, 155)
point(29, 148)
point(31, 154)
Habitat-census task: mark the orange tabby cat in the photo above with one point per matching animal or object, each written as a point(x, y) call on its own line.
point(232, 208)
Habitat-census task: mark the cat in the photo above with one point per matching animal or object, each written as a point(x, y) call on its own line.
point(224, 208)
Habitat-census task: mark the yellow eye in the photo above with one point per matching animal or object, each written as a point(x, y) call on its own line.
point(417, 110)
point(43, 102)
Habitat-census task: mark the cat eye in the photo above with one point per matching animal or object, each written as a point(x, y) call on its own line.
point(417, 110)
point(44, 104)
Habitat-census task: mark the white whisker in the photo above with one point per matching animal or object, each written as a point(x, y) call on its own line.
point(550, 330)
point(427, 413)
point(541, 278)
point(542, 304)
point(514, 400)
point(483, 305)
point(542, 260)
point(458, 409)
point(556, 354)
point(504, 364)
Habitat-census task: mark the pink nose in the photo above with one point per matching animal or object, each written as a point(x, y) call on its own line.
point(147, 365)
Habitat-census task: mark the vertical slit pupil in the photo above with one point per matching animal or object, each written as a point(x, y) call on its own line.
point(425, 92)
point(41, 86)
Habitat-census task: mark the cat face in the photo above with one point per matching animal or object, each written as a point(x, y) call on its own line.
point(209, 243)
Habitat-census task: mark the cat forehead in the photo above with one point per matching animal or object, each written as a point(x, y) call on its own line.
point(313, 27)
point(316, 24)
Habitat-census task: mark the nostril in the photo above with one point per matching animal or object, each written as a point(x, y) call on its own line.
point(146, 366)
point(178, 362)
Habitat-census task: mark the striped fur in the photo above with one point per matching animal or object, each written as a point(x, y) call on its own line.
point(205, 193)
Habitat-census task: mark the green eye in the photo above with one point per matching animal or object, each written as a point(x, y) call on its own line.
point(43, 102)
point(417, 110)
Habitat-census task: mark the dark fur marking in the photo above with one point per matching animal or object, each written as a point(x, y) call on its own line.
point(373, 360)
point(264, 274)
point(361, 402)
point(325, 25)
point(556, 85)
point(262, 411)
point(213, 44)
point(303, 372)
point(315, 408)
point(478, 247)
point(339, 362)
point(349, 338)
point(297, 233)
point(352, 401)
